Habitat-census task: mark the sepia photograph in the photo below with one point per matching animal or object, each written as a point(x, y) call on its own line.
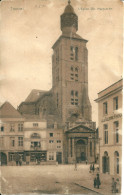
point(61, 94)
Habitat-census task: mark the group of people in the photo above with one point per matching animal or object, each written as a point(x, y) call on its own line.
point(92, 168)
point(19, 162)
point(114, 186)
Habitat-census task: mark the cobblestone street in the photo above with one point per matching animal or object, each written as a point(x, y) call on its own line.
point(47, 179)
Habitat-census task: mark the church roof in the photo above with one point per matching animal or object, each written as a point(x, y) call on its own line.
point(8, 111)
point(34, 95)
point(69, 9)
point(69, 36)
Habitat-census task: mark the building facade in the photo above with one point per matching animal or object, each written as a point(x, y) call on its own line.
point(110, 128)
point(11, 135)
point(42, 145)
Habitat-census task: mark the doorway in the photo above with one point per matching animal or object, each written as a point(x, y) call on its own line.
point(105, 162)
point(3, 158)
point(59, 157)
point(80, 151)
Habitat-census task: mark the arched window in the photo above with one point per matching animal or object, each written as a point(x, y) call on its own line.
point(105, 162)
point(116, 162)
point(35, 136)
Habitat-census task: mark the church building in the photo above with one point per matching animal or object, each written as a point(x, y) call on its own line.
point(66, 105)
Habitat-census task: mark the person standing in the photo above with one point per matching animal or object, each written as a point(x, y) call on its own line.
point(113, 185)
point(95, 182)
point(98, 183)
point(93, 168)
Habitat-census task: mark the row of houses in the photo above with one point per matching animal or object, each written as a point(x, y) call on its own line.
point(26, 139)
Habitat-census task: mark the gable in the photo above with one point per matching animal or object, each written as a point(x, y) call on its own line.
point(8, 111)
point(81, 129)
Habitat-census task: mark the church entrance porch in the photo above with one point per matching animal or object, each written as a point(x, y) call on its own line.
point(80, 151)
point(81, 144)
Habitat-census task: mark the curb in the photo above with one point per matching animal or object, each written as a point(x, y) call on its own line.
point(88, 189)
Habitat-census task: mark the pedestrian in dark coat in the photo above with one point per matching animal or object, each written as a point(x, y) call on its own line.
point(98, 183)
point(113, 185)
point(95, 182)
point(93, 168)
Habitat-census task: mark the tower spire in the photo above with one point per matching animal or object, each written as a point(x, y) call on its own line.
point(69, 1)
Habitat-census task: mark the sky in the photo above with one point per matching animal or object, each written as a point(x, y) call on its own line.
point(29, 28)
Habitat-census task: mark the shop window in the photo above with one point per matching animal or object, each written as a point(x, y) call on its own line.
point(105, 108)
point(11, 156)
point(115, 103)
point(105, 133)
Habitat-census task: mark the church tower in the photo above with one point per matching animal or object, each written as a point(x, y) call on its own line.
point(70, 70)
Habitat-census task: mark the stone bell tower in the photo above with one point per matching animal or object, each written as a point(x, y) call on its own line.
point(70, 70)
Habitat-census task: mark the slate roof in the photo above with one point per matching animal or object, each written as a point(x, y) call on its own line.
point(73, 36)
point(8, 111)
point(34, 95)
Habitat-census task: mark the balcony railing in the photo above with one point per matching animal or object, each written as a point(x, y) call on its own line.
point(35, 147)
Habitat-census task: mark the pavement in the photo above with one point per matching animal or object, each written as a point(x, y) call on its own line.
point(106, 183)
point(52, 179)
